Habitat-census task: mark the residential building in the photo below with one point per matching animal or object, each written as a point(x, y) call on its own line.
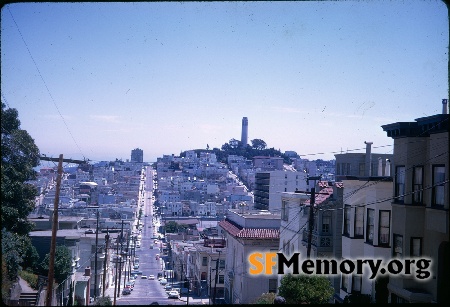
point(420, 205)
point(362, 164)
point(326, 232)
point(269, 186)
point(246, 233)
point(366, 229)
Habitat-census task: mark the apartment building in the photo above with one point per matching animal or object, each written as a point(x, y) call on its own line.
point(367, 229)
point(362, 164)
point(420, 205)
point(326, 231)
point(269, 186)
point(247, 232)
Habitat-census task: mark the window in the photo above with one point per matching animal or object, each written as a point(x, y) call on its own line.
point(273, 285)
point(205, 261)
point(416, 247)
point(362, 168)
point(221, 279)
point(399, 183)
point(347, 212)
point(284, 210)
point(397, 251)
point(384, 227)
point(222, 264)
point(370, 224)
point(326, 222)
point(359, 222)
point(356, 283)
point(418, 185)
point(344, 282)
point(438, 185)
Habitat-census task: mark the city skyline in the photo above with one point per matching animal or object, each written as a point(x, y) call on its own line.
point(96, 80)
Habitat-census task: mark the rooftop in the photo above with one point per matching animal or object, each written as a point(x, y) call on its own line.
point(249, 233)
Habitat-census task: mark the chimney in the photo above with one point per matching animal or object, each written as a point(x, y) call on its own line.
point(380, 166)
point(387, 172)
point(87, 271)
point(444, 106)
point(368, 159)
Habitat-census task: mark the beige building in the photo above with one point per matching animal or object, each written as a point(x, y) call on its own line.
point(420, 206)
point(246, 233)
point(366, 231)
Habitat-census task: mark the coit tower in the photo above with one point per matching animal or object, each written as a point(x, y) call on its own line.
point(244, 134)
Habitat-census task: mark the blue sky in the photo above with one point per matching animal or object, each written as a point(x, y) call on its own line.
point(97, 80)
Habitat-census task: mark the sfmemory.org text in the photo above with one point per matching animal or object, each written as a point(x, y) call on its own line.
point(264, 263)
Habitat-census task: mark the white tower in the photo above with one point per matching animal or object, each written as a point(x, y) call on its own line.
point(244, 134)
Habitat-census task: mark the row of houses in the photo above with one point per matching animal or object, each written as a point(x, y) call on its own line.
point(381, 206)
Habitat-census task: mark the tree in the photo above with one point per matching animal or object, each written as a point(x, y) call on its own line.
point(258, 144)
point(357, 298)
point(265, 298)
point(172, 227)
point(307, 289)
point(234, 143)
point(11, 254)
point(19, 156)
point(63, 263)
point(103, 301)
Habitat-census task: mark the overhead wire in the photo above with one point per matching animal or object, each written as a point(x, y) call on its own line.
point(45, 83)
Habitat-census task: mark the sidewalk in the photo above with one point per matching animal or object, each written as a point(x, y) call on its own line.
point(195, 300)
point(110, 292)
point(25, 286)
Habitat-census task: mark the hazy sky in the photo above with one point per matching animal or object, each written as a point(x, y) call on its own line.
point(97, 80)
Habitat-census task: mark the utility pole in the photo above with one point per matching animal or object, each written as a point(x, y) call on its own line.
point(96, 255)
point(104, 262)
point(210, 284)
point(126, 258)
point(217, 276)
point(51, 266)
point(120, 263)
point(115, 276)
point(311, 214)
point(172, 271)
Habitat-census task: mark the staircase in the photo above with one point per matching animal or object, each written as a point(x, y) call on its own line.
point(28, 298)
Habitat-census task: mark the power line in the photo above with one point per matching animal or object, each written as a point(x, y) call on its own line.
point(45, 84)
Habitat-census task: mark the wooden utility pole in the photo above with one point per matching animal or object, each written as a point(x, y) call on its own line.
point(96, 255)
point(104, 262)
point(311, 214)
point(120, 263)
point(216, 278)
point(51, 266)
point(115, 276)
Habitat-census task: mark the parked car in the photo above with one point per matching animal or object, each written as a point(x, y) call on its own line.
point(129, 285)
point(167, 287)
point(163, 281)
point(174, 294)
point(126, 291)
